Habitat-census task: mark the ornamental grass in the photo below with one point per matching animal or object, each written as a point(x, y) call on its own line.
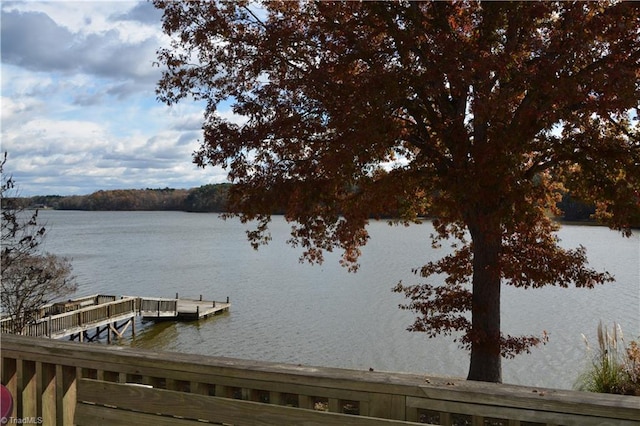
point(614, 367)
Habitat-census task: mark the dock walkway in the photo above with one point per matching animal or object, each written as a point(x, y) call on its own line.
point(77, 317)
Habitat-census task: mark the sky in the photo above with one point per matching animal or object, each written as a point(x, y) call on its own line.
point(79, 109)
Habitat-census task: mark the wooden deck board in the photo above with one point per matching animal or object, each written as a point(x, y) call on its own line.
point(198, 309)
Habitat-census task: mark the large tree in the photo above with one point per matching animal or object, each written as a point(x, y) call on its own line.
point(29, 277)
point(477, 114)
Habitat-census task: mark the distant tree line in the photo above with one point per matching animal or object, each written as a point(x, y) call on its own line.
point(206, 198)
point(575, 210)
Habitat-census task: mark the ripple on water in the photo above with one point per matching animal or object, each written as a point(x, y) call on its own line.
point(321, 315)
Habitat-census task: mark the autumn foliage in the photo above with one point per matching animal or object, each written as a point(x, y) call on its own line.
point(477, 114)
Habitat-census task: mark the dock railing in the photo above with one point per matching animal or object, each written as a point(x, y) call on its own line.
point(158, 306)
point(73, 321)
point(61, 307)
point(42, 374)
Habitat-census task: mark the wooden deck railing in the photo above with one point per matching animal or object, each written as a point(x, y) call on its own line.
point(42, 375)
point(156, 306)
point(73, 321)
point(60, 307)
point(74, 304)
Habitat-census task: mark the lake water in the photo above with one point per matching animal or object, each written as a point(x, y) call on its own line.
point(322, 315)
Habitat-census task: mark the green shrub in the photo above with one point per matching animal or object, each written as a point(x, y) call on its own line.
point(614, 367)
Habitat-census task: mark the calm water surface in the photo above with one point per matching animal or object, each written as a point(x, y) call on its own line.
point(321, 315)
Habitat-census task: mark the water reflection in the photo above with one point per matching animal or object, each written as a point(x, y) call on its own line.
point(159, 336)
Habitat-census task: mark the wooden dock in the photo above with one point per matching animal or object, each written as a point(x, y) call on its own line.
point(158, 309)
point(99, 313)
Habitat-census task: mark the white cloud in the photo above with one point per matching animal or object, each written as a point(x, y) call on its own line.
point(228, 115)
point(13, 109)
point(79, 112)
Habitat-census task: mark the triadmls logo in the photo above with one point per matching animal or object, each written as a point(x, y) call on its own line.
point(23, 420)
point(6, 408)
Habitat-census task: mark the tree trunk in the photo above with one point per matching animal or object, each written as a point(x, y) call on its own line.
point(486, 361)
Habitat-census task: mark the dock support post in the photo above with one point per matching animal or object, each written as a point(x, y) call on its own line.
point(197, 311)
point(200, 298)
point(214, 303)
point(227, 299)
point(176, 295)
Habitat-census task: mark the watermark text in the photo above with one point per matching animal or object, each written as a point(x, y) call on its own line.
point(23, 421)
